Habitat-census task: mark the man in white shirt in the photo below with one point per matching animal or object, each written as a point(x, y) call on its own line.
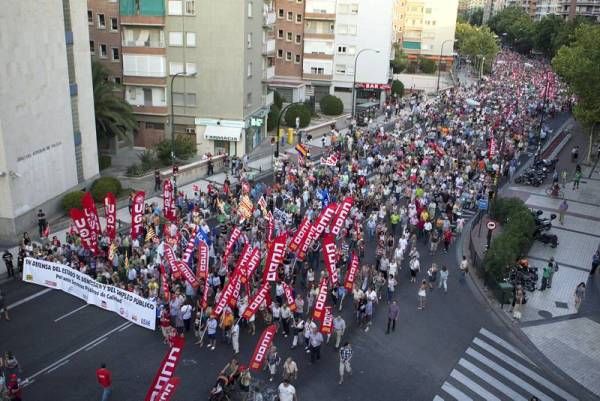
point(286, 391)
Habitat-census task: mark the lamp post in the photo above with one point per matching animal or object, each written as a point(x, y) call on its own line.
point(440, 61)
point(354, 80)
point(179, 74)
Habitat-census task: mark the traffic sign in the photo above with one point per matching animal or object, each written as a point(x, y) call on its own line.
point(482, 204)
point(491, 225)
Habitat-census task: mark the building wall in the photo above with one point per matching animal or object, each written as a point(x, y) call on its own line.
point(37, 144)
point(283, 67)
point(108, 36)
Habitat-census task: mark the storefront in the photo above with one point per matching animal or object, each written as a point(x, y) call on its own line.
point(219, 136)
point(368, 92)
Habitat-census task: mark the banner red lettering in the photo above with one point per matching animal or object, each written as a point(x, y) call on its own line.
point(166, 369)
point(342, 214)
point(330, 257)
point(168, 389)
point(202, 266)
point(289, 297)
point(351, 273)
point(110, 212)
point(274, 257)
point(257, 300)
point(164, 283)
point(227, 294)
point(300, 235)
point(235, 234)
point(321, 300)
point(303, 248)
point(169, 201)
point(327, 321)
point(83, 230)
point(91, 213)
point(137, 214)
point(251, 266)
point(262, 347)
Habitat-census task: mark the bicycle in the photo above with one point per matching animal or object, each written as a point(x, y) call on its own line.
point(550, 192)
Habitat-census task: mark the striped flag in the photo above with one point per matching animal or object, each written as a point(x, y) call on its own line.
point(150, 234)
point(302, 149)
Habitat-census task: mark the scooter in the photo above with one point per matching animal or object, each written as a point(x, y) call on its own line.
point(543, 223)
point(545, 238)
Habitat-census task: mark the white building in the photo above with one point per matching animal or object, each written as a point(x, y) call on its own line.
point(47, 128)
point(364, 28)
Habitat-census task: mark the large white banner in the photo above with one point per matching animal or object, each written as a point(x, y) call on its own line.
point(130, 306)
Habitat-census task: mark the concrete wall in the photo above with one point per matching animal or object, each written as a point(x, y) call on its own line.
point(422, 82)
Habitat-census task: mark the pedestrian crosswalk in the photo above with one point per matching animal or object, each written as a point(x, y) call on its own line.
point(492, 369)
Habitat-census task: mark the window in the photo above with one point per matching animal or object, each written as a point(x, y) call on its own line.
point(341, 49)
point(290, 16)
point(297, 59)
point(159, 126)
point(90, 17)
point(288, 56)
point(190, 68)
point(249, 40)
point(279, 53)
point(340, 69)
point(114, 25)
point(351, 29)
point(280, 13)
point(92, 47)
point(342, 29)
point(289, 37)
point(280, 34)
point(317, 70)
point(428, 11)
point(131, 92)
point(175, 7)
point(103, 51)
point(298, 18)
point(298, 39)
point(354, 9)
point(190, 39)
point(175, 38)
point(249, 70)
point(178, 99)
point(249, 9)
point(115, 54)
point(190, 99)
point(101, 21)
point(118, 80)
point(346, 50)
point(190, 7)
point(175, 68)
point(249, 99)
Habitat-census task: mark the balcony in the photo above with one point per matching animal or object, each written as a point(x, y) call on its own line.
point(268, 99)
point(269, 19)
point(268, 48)
point(151, 110)
point(149, 44)
point(318, 56)
point(269, 73)
point(142, 20)
point(315, 35)
point(319, 16)
point(317, 77)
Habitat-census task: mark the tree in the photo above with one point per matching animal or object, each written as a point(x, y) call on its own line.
point(427, 65)
point(273, 116)
point(297, 110)
point(545, 33)
point(579, 65)
point(114, 116)
point(397, 88)
point(400, 61)
point(331, 105)
point(475, 42)
point(517, 25)
point(476, 17)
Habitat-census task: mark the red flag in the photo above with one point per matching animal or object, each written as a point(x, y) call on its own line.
point(249, 269)
point(342, 214)
point(46, 231)
point(110, 212)
point(300, 235)
point(330, 257)
point(263, 345)
point(189, 249)
point(202, 266)
point(327, 321)
point(166, 369)
point(274, 257)
point(137, 213)
point(323, 221)
point(321, 300)
point(227, 294)
point(204, 302)
point(91, 213)
point(351, 273)
point(169, 201)
point(187, 274)
point(303, 247)
point(164, 283)
point(257, 300)
point(492, 147)
point(235, 234)
point(168, 389)
point(289, 297)
point(85, 233)
point(271, 224)
point(172, 261)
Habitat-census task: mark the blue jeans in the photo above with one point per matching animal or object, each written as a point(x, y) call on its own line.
point(106, 393)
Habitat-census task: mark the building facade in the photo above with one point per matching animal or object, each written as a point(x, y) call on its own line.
point(105, 36)
point(47, 128)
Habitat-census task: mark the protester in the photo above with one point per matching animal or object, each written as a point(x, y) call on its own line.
point(286, 391)
point(104, 377)
point(393, 313)
point(345, 358)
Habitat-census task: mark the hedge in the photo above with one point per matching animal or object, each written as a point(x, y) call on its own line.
point(183, 146)
point(331, 105)
point(104, 185)
point(104, 161)
point(273, 116)
point(72, 200)
point(397, 88)
point(518, 226)
point(297, 110)
point(428, 66)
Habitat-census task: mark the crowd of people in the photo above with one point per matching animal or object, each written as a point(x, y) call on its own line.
point(410, 186)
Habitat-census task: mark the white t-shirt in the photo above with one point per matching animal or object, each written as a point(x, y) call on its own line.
point(286, 393)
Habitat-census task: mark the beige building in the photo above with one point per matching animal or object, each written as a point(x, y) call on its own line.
point(568, 9)
point(105, 36)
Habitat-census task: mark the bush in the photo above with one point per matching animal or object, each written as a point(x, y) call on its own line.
point(148, 160)
point(104, 185)
point(135, 170)
point(277, 100)
point(72, 200)
point(428, 66)
point(397, 88)
point(184, 148)
point(297, 110)
point(104, 161)
point(273, 116)
point(331, 105)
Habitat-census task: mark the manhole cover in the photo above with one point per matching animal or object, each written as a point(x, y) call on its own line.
point(562, 305)
point(545, 314)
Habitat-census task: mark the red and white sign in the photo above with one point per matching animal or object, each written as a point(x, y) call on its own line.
point(352, 272)
point(271, 228)
point(289, 297)
point(137, 214)
point(164, 283)
point(242, 260)
point(172, 261)
point(202, 267)
point(342, 214)
point(330, 161)
point(492, 149)
point(204, 302)
point(227, 294)
point(300, 235)
point(166, 370)
point(274, 257)
point(168, 389)
point(257, 300)
point(252, 265)
point(169, 201)
point(324, 221)
point(189, 249)
point(303, 248)
point(110, 212)
point(368, 85)
point(187, 274)
point(235, 234)
point(330, 257)
point(327, 324)
point(91, 213)
point(319, 311)
point(88, 239)
point(262, 347)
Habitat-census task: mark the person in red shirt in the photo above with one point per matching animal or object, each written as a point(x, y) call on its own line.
point(105, 380)
point(14, 389)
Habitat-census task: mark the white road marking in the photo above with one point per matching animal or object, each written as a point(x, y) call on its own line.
point(476, 388)
point(96, 343)
point(70, 313)
point(513, 395)
point(29, 298)
point(456, 393)
point(125, 327)
point(63, 363)
point(504, 343)
point(438, 398)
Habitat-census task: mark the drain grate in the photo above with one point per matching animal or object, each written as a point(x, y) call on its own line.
point(562, 305)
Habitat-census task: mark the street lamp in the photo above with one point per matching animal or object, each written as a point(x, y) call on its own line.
point(440, 61)
point(179, 74)
point(354, 82)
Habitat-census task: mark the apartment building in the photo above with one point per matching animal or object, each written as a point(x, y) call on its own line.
point(47, 128)
point(363, 40)
point(546, 7)
point(492, 7)
point(569, 9)
point(428, 29)
point(470, 5)
point(529, 6)
point(288, 39)
point(105, 36)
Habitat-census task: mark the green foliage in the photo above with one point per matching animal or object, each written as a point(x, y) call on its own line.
point(476, 17)
point(104, 161)
point(397, 88)
point(148, 160)
point(475, 42)
point(331, 105)
point(579, 65)
point(72, 200)
point(412, 68)
point(114, 116)
point(135, 170)
point(400, 60)
point(427, 66)
point(277, 100)
point(518, 26)
point(515, 240)
point(104, 185)
point(546, 32)
point(297, 110)
point(184, 147)
point(273, 116)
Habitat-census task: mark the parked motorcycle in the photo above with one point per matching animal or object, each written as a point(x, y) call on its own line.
point(545, 238)
point(543, 223)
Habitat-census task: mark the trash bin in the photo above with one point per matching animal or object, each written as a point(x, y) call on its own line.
point(505, 293)
point(290, 136)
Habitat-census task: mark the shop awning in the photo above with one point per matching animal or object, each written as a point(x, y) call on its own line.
point(218, 133)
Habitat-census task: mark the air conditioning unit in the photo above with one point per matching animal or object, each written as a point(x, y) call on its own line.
point(190, 130)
